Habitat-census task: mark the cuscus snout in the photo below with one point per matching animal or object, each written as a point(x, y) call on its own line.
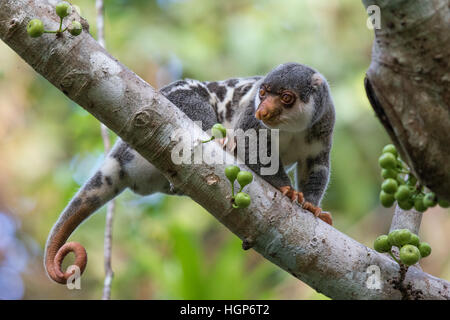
point(268, 109)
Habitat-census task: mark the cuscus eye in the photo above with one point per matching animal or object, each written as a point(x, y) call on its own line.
point(262, 92)
point(287, 97)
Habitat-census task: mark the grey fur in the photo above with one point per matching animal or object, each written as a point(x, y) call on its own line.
point(313, 170)
point(123, 154)
point(220, 91)
point(293, 76)
point(108, 180)
point(95, 182)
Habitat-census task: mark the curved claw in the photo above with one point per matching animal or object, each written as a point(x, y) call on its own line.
point(323, 215)
point(292, 194)
point(312, 208)
point(326, 216)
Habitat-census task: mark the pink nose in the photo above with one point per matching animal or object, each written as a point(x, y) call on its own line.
point(261, 114)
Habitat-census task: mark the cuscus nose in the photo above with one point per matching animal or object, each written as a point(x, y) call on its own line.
point(267, 109)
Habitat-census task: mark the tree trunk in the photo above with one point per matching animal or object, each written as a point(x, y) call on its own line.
point(408, 85)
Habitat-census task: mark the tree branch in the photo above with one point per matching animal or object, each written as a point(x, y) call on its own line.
point(282, 232)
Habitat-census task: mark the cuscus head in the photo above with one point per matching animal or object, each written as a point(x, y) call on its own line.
point(291, 97)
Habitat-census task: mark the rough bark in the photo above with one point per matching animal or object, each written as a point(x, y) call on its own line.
point(408, 85)
point(309, 249)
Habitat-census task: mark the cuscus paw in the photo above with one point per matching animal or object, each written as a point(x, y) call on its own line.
point(292, 194)
point(326, 216)
point(298, 196)
point(323, 215)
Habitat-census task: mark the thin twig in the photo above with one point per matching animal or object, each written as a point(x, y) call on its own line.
point(406, 219)
point(109, 274)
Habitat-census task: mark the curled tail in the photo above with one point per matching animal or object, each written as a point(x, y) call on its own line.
point(108, 182)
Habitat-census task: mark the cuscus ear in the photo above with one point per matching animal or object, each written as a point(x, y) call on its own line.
point(317, 80)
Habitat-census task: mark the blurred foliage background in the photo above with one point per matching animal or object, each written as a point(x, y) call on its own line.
point(169, 247)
